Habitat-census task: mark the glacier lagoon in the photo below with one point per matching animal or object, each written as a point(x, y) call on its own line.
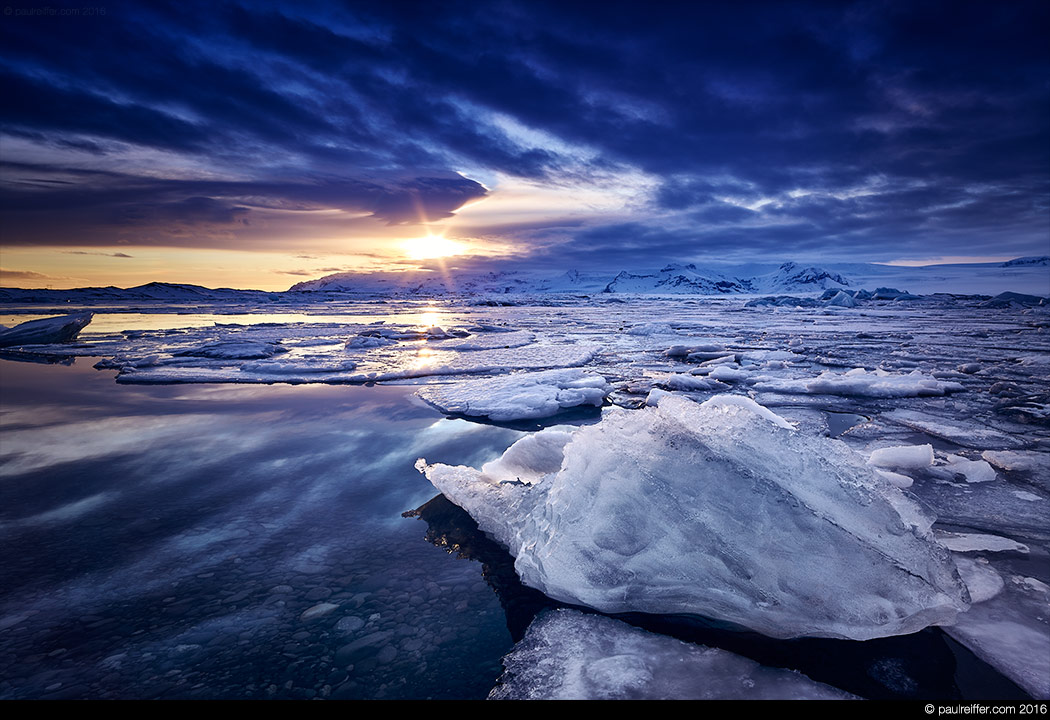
point(180, 536)
point(231, 542)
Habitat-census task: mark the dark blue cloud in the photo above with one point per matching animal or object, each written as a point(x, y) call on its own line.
point(803, 127)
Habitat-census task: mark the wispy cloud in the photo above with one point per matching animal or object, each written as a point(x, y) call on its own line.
point(863, 129)
point(91, 252)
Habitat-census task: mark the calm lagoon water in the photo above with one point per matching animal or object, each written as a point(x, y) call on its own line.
point(108, 321)
point(166, 541)
point(231, 541)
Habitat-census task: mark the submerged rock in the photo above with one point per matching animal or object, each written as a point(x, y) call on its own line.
point(569, 655)
point(46, 330)
point(719, 510)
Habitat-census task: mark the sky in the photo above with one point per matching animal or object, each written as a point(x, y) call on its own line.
point(258, 144)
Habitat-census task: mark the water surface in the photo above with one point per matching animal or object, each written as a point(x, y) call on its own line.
point(166, 541)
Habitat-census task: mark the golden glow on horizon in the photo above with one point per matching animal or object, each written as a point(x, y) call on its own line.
point(432, 247)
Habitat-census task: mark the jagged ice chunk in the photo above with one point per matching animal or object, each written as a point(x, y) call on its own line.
point(718, 510)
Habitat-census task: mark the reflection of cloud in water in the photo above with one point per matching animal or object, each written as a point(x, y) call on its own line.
point(39, 448)
point(198, 539)
point(455, 432)
point(64, 513)
point(184, 522)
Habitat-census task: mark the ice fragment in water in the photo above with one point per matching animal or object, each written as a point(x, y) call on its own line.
point(46, 330)
point(519, 396)
point(570, 655)
point(902, 457)
point(717, 510)
point(861, 383)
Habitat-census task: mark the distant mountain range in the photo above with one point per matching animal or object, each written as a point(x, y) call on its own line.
point(1031, 275)
point(1027, 275)
point(674, 279)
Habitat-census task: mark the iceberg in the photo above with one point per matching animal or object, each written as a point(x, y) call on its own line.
point(719, 510)
point(45, 331)
point(570, 655)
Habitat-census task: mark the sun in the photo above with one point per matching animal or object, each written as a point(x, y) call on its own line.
point(431, 246)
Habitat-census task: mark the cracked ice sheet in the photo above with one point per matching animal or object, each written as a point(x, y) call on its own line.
point(988, 507)
point(1011, 632)
point(570, 655)
point(967, 433)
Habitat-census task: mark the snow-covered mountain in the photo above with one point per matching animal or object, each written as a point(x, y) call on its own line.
point(678, 279)
point(1028, 275)
point(792, 277)
point(672, 279)
point(154, 292)
point(426, 282)
point(1042, 261)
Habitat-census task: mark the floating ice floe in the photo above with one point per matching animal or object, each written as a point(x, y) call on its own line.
point(973, 471)
point(45, 331)
point(902, 457)
point(681, 351)
point(1018, 460)
point(491, 341)
point(894, 478)
point(519, 396)
point(299, 366)
point(978, 542)
point(234, 350)
point(570, 655)
point(967, 433)
point(1011, 632)
point(719, 510)
point(366, 342)
point(724, 373)
point(861, 383)
point(224, 362)
point(690, 383)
